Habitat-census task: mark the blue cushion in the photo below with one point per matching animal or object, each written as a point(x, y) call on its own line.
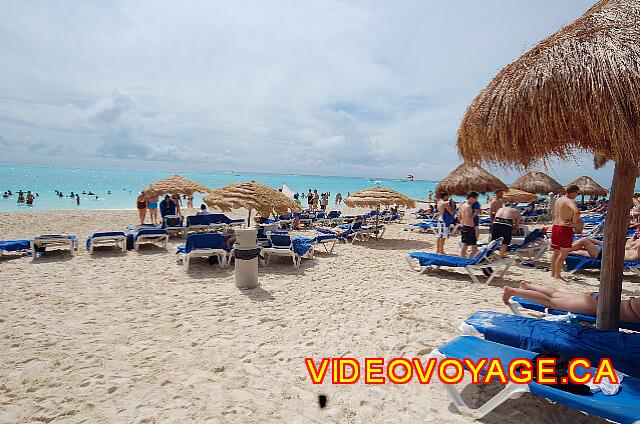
point(205, 241)
point(575, 341)
point(150, 232)
point(15, 245)
point(580, 262)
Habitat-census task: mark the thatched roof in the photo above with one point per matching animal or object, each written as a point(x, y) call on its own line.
point(469, 177)
point(515, 196)
point(588, 186)
point(577, 89)
point(176, 184)
point(376, 196)
point(252, 196)
point(537, 182)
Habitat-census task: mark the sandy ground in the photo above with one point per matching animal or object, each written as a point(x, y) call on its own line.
point(134, 338)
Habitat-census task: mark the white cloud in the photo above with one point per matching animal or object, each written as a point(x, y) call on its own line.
point(356, 88)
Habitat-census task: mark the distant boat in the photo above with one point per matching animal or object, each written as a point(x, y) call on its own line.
point(410, 177)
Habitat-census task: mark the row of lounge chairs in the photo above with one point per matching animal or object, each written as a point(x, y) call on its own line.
point(274, 243)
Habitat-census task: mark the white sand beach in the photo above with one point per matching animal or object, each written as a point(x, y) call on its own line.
point(132, 337)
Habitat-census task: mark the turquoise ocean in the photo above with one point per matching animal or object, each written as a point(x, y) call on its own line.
point(124, 185)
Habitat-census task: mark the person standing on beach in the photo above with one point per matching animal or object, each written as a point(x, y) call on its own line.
point(152, 205)
point(566, 220)
point(141, 205)
point(467, 214)
point(190, 201)
point(316, 199)
point(167, 206)
point(338, 198)
point(445, 210)
point(496, 204)
point(178, 201)
point(430, 198)
point(309, 199)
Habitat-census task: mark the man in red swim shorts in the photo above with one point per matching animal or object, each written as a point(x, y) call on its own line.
point(566, 219)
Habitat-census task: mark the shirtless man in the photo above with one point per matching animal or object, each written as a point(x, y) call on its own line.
point(466, 215)
point(566, 219)
point(496, 204)
point(444, 221)
point(506, 223)
point(578, 303)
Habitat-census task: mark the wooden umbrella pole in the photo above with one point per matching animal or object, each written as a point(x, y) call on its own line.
point(615, 230)
point(377, 216)
point(249, 219)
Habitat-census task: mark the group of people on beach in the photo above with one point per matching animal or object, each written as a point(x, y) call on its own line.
point(170, 205)
point(317, 201)
point(504, 223)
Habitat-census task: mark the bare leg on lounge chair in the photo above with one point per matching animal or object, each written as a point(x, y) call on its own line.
point(578, 303)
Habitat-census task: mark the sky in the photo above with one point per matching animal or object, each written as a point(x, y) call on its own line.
point(355, 88)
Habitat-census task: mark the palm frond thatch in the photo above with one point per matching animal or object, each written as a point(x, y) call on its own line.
point(376, 196)
point(538, 183)
point(588, 187)
point(515, 196)
point(176, 184)
point(252, 196)
point(578, 89)
point(468, 177)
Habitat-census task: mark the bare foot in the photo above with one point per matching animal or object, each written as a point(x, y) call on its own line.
point(560, 278)
point(506, 295)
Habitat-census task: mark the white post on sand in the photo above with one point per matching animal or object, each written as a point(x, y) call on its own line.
point(246, 269)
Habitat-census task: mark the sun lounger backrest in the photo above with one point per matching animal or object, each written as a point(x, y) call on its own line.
point(333, 214)
point(279, 239)
point(205, 241)
point(533, 236)
point(491, 247)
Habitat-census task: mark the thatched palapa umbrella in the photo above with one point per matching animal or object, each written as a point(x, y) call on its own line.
point(467, 177)
point(176, 184)
point(376, 196)
point(588, 187)
point(578, 89)
point(515, 196)
point(251, 196)
point(538, 183)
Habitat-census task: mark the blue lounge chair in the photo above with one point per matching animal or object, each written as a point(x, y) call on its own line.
point(481, 262)
point(620, 407)
point(285, 244)
point(204, 246)
point(173, 224)
point(41, 242)
point(516, 302)
point(111, 237)
point(15, 246)
point(532, 247)
point(575, 263)
point(574, 341)
point(351, 232)
point(198, 223)
point(325, 239)
point(150, 235)
point(424, 226)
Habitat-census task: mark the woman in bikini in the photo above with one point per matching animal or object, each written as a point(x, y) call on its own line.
point(578, 303)
point(141, 204)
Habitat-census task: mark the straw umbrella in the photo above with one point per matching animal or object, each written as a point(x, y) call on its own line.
point(538, 183)
point(376, 196)
point(176, 184)
point(578, 89)
point(588, 187)
point(515, 196)
point(252, 196)
point(467, 177)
